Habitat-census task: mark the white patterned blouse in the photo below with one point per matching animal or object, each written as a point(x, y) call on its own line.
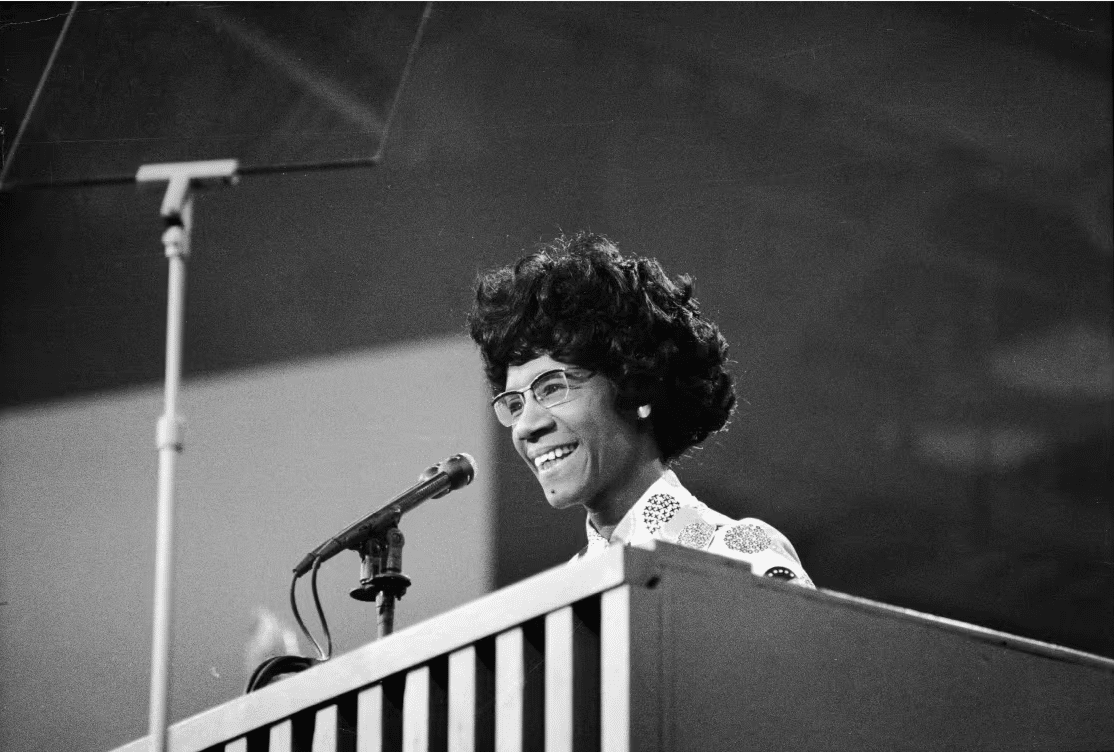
point(668, 512)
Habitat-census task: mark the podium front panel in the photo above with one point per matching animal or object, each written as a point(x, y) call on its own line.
point(671, 649)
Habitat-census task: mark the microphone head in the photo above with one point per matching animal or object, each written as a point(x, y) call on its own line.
point(460, 468)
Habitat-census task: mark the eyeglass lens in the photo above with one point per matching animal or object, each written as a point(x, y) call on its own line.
point(551, 388)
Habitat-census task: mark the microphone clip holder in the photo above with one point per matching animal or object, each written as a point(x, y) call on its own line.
point(381, 577)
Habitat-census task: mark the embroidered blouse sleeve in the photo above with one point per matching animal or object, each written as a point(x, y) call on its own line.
point(769, 553)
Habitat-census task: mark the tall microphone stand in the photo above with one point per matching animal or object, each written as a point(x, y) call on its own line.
point(177, 212)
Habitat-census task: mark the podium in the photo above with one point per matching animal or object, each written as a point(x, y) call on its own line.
point(668, 649)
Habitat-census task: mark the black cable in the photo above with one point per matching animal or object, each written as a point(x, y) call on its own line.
point(320, 613)
point(129, 179)
point(298, 616)
point(402, 81)
point(7, 163)
point(276, 667)
point(273, 669)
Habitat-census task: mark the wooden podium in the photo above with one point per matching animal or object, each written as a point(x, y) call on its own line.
point(669, 650)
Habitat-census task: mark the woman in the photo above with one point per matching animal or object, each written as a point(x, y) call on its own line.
point(607, 372)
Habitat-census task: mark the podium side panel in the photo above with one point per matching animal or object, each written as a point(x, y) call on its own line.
point(759, 664)
point(615, 670)
point(325, 730)
point(559, 680)
point(369, 719)
point(634, 713)
point(281, 738)
point(415, 711)
point(510, 689)
point(462, 700)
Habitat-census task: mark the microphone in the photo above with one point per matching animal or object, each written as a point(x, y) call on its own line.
point(455, 472)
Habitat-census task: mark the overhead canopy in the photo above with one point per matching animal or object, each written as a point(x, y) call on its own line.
point(266, 83)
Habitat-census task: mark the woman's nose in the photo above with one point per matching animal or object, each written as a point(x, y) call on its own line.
point(533, 421)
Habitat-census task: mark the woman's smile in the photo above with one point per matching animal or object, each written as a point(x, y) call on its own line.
point(548, 461)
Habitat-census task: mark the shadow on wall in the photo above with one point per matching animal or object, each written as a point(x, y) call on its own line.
point(960, 409)
point(276, 460)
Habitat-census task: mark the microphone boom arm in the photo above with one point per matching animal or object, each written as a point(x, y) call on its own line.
point(455, 472)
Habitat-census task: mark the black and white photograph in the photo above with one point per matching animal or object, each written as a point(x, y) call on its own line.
point(556, 376)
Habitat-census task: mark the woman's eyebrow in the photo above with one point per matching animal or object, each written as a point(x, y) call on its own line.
point(526, 385)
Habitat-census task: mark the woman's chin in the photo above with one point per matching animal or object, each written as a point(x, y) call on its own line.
point(559, 498)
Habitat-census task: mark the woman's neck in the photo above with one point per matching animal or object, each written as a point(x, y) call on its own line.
point(606, 516)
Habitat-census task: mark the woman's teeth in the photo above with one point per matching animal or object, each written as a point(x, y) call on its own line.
point(544, 461)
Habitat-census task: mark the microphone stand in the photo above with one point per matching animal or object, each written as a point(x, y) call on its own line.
point(177, 212)
point(381, 577)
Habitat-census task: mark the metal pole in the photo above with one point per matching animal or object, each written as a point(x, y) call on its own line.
point(170, 440)
point(392, 582)
point(177, 211)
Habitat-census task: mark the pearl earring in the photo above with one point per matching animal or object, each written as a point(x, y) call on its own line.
point(644, 411)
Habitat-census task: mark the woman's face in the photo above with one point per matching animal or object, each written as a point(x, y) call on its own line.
point(602, 456)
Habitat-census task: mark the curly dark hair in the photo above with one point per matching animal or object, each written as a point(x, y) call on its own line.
point(580, 301)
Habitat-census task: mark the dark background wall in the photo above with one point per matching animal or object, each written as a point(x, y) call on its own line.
point(900, 214)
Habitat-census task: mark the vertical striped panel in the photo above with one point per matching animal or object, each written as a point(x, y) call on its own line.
point(439, 704)
point(558, 680)
point(369, 720)
point(347, 709)
point(462, 700)
point(282, 737)
point(394, 696)
point(237, 745)
point(415, 711)
point(325, 730)
point(485, 695)
point(586, 675)
point(533, 693)
point(510, 685)
point(615, 670)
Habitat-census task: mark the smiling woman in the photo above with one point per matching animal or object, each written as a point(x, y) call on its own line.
point(607, 372)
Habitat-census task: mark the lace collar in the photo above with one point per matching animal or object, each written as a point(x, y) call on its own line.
point(658, 504)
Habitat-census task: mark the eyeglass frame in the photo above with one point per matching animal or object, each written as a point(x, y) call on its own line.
point(530, 388)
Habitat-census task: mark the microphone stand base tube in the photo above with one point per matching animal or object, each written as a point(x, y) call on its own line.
point(178, 211)
point(386, 621)
point(381, 577)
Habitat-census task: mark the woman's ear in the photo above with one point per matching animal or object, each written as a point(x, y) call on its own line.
point(640, 392)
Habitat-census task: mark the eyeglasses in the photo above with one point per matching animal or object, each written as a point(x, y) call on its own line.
point(550, 389)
